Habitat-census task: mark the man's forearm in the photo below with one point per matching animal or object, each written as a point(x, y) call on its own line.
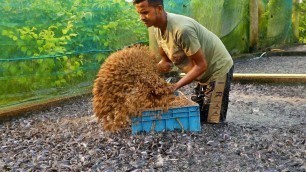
point(192, 75)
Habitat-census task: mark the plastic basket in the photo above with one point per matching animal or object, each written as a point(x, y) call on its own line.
point(185, 118)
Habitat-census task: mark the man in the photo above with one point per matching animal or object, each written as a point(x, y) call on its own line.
point(196, 51)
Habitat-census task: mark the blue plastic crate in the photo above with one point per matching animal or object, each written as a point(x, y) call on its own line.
point(185, 118)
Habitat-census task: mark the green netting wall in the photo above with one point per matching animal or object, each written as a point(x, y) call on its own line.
point(52, 47)
point(230, 20)
point(277, 23)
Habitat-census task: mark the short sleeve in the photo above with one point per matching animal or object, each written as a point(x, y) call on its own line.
point(189, 41)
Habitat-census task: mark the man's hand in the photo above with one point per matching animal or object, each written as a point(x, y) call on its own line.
point(171, 88)
point(164, 66)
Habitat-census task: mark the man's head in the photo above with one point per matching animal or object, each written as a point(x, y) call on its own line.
point(151, 2)
point(150, 11)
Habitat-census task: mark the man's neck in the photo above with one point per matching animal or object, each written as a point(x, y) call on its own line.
point(163, 23)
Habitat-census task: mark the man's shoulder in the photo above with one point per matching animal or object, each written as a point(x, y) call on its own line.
point(180, 23)
point(178, 16)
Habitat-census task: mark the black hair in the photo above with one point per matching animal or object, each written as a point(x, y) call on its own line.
point(151, 2)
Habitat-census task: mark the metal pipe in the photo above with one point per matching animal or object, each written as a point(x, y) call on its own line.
point(269, 78)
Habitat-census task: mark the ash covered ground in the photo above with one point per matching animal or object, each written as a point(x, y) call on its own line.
point(265, 131)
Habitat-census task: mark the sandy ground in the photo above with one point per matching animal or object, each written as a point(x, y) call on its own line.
point(265, 131)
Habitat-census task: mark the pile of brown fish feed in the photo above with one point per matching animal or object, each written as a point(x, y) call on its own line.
point(127, 83)
point(181, 100)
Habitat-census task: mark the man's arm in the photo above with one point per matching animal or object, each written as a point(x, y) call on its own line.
point(199, 67)
point(165, 64)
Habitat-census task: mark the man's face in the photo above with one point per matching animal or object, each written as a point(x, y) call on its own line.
point(148, 14)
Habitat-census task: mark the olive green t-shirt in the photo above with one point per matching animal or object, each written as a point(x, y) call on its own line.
point(186, 36)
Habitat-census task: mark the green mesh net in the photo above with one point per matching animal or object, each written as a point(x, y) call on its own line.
point(53, 48)
point(276, 23)
point(230, 20)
